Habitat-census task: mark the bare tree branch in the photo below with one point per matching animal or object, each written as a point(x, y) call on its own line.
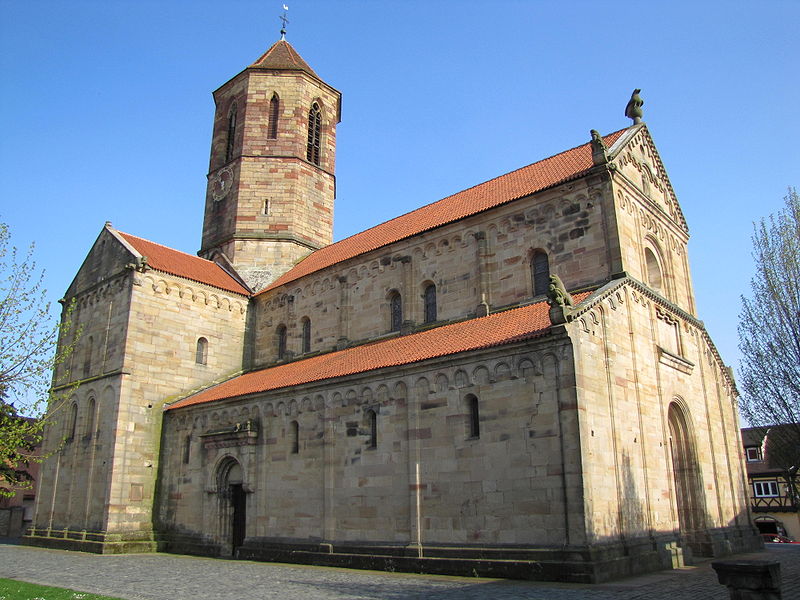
point(769, 333)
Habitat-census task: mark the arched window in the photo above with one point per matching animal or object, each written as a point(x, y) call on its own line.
point(654, 278)
point(72, 422)
point(372, 423)
point(294, 432)
point(430, 303)
point(314, 134)
point(87, 358)
point(281, 334)
point(306, 335)
point(395, 311)
point(540, 272)
point(274, 112)
point(473, 417)
point(201, 353)
point(231, 133)
point(90, 418)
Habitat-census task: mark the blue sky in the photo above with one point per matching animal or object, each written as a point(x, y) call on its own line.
point(107, 110)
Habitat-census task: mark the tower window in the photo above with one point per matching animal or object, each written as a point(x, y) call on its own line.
point(314, 134)
point(281, 333)
point(267, 208)
point(395, 311)
point(231, 133)
point(274, 112)
point(540, 272)
point(473, 417)
point(430, 303)
point(306, 335)
point(201, 352)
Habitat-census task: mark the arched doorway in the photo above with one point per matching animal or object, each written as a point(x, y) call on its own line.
point(232, 509)
point(689, 498)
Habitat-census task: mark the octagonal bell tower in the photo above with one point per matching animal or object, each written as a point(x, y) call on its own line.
point(271, 183)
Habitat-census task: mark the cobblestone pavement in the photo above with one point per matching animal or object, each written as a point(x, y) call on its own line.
point(174, 577)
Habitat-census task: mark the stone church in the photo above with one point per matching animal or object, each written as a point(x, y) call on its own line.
point(510, 381)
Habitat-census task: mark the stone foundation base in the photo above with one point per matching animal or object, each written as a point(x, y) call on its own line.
point(90, 541)
point(593, 564)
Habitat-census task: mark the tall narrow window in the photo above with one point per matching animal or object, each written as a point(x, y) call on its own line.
point(231, 133)
point(281, 333)
point(90, 418)
point(201, 353)
point(395, 311)
point(430, 303)
point(72, 422)
point(187, 449)
point(653, 270)
point(87, 359)
point(314, 134)
point(540, 272)
point(294, 432)
point(274, 112)
point(372, 423)
point(473, 417)
point(306, 335)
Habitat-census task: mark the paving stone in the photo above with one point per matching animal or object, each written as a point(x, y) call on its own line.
point(177, 577)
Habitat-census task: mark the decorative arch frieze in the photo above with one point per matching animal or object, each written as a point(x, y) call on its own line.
point(461, 379)
point(480, 375)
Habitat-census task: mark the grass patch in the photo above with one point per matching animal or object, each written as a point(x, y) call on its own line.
point(11, 589)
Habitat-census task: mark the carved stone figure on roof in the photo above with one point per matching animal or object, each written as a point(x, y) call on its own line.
point(560, 301)
point(557, 293)
point(634, 108)
point(599, 148)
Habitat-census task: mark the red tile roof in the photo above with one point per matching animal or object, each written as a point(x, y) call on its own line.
point(185, 265)
point(281, 56)
point(546, 173)
point(484, 332)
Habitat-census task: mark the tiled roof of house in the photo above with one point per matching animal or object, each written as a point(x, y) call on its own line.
point(546, 173)
point(483, 332)
point(281, 56)
point(185, 265)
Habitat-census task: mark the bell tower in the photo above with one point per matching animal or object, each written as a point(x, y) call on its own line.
point(271, 183)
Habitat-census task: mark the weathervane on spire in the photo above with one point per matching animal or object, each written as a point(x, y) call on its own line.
point(285, 21)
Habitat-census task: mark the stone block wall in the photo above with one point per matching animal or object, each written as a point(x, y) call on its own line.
point(628, 383)
point(482, 258)
point(168, 316)
point(425, 480)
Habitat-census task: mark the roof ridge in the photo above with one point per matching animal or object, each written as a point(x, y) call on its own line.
point(182, 264)
point(166, 247)
point(472, 187)
point(481, 204)
point(478, 333)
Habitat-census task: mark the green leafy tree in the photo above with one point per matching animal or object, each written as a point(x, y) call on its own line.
point(769, 335)
point(28, 336)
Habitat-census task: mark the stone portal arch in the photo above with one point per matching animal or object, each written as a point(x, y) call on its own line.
point(689, 498)
point(231, 504)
